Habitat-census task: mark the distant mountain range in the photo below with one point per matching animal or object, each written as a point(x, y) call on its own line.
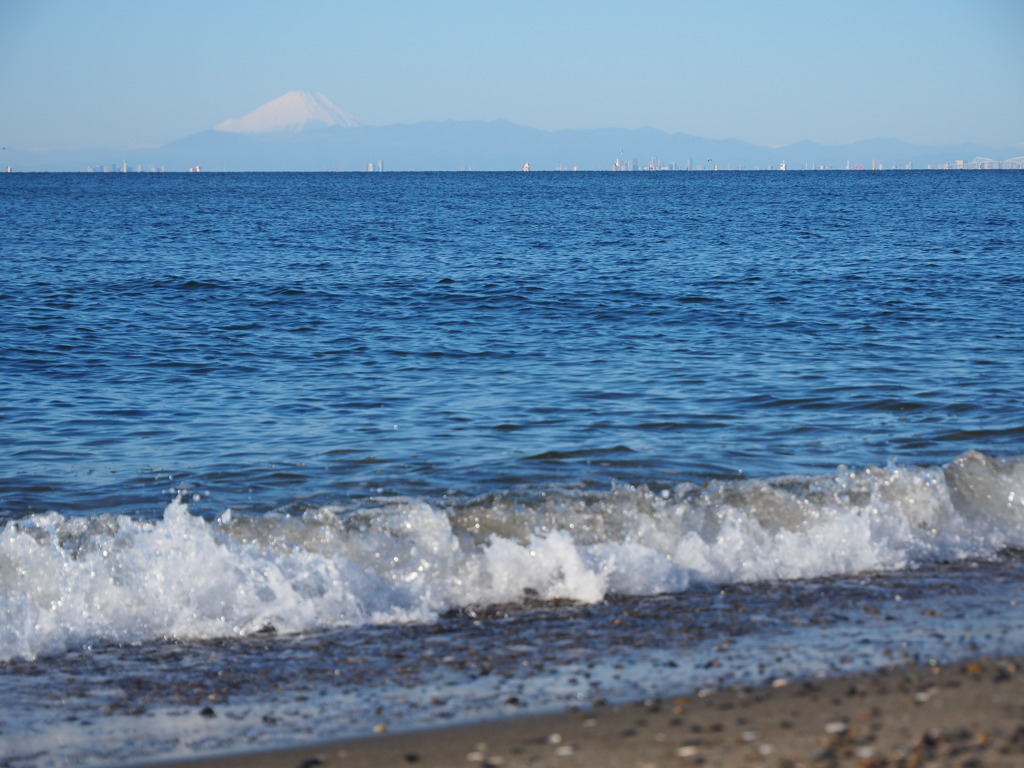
point(301, 131)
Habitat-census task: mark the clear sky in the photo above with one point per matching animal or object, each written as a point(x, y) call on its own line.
point(84, 73)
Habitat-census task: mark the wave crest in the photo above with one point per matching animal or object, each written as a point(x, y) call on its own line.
point(68, 581)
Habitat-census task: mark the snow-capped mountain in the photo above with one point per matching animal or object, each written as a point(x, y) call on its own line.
point(292, 112)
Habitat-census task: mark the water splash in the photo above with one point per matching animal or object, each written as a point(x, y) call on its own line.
point(66, 582)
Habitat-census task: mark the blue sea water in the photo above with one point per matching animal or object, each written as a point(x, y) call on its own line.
point(241, 406)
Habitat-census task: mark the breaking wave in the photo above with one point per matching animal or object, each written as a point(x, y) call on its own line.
point(70, 581)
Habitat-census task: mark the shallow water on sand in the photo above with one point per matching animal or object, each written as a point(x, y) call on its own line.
point(120, 704)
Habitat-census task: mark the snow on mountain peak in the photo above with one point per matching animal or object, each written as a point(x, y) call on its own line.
point(292, 112)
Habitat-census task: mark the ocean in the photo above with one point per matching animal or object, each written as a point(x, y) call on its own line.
point(301, 456)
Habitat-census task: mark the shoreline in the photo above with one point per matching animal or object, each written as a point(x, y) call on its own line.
point(967, 713)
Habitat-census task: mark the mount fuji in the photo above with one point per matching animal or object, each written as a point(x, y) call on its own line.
point(294, 111)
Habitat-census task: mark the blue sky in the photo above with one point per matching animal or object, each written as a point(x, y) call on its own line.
point(83, 73)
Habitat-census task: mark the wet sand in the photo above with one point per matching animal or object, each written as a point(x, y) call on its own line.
point(966, 714)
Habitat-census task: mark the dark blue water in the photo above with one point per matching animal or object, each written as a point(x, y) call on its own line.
point(269, 338)
point(291, 427)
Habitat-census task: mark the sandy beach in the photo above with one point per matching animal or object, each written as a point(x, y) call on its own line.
point(967, 714)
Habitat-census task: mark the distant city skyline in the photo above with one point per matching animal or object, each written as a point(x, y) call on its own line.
point(116, 73)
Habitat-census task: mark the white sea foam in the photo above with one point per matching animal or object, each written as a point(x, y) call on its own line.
point(66, 582)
